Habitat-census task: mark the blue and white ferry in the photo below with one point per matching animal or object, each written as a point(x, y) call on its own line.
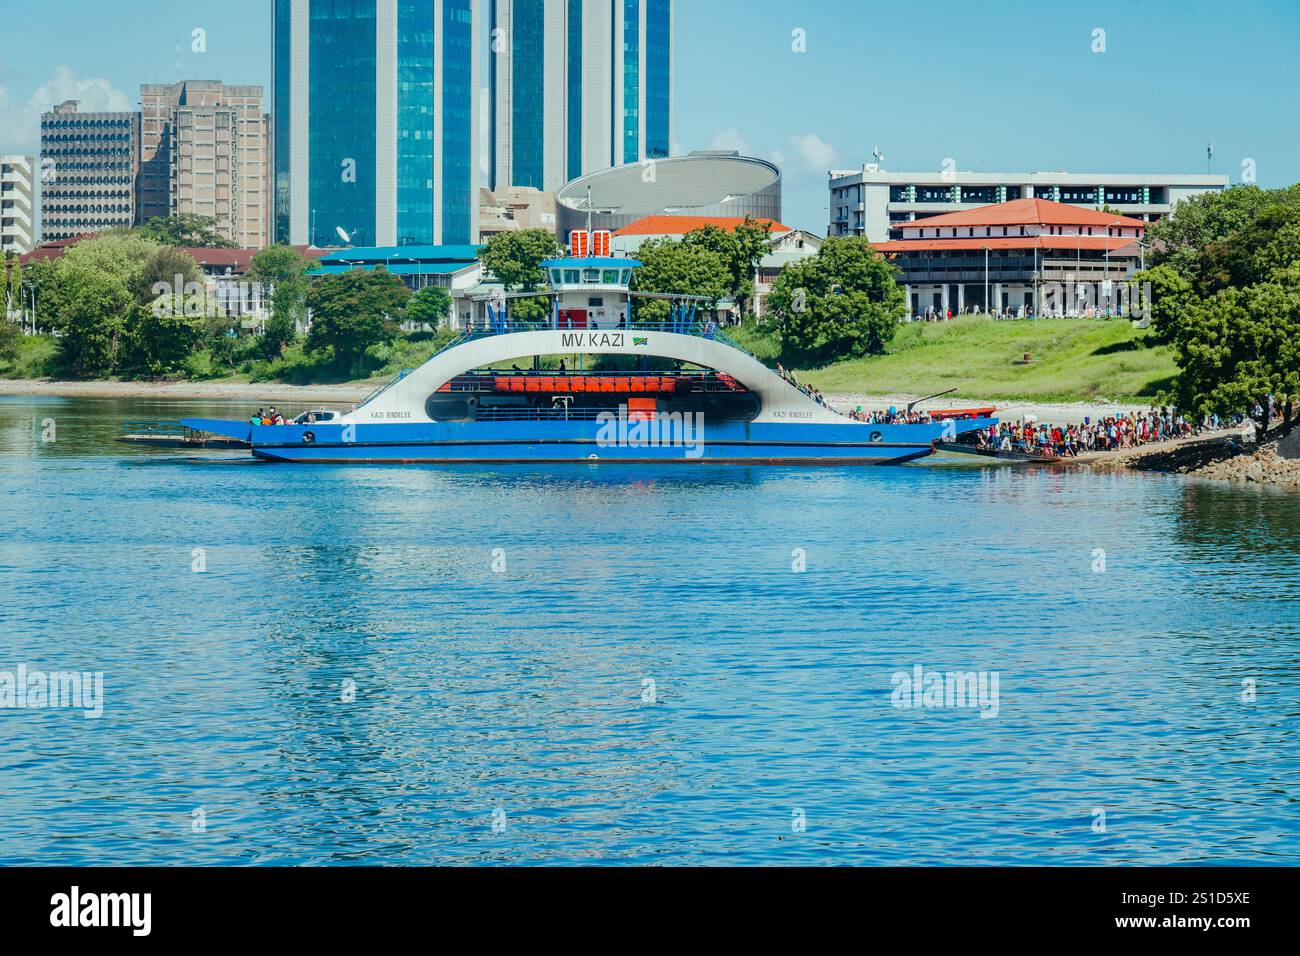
point(692, 395)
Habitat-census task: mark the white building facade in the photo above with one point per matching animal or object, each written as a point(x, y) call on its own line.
point(876, 203)
point(17, 205)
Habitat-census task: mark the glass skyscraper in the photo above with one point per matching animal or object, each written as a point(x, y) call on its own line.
point(375, 121)
point(577, 86)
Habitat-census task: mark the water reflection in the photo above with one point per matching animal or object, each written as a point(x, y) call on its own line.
point(351, 679)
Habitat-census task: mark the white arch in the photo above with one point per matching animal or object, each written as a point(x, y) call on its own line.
point(404, 401)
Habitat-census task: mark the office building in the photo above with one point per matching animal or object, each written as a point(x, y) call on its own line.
point(87, 173)
point(1002, 256)
point(577, 86)
point(514, 208)
point(375, 116)
point(875, 203)
point(204, 151)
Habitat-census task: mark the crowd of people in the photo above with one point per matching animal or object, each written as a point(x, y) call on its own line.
point(1106, 434)
point(273, 417)
point(263, 417)
point(813, 393)
point(891, 417)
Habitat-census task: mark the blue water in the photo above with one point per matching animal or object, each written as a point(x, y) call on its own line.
point(521, 690)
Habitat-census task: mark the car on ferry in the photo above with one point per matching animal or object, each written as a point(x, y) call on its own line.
point(317, 416)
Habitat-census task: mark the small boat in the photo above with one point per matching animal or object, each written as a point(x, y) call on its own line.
point(961, 448)
point(691, 396)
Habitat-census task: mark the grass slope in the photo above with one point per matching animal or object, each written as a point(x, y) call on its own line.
point(1073, 360)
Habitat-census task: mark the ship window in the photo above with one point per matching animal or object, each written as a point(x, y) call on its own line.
point(571, 276)
point(595, 300)
point(590, 275)
point(626, 277)
point(611, 277)
point(555, 276)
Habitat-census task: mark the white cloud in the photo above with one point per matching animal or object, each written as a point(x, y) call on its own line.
point(20, 124)
point(812, 154)
point(730, 138)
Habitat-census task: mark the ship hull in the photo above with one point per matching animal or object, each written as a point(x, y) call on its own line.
point(587, 442)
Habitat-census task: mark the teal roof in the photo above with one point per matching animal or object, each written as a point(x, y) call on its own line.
point(597, 262)
point(396, 254)
point(396, 268)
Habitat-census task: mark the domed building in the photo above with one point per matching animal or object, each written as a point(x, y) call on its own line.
point(704, 183)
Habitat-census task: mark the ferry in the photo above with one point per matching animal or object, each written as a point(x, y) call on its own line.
point(680, 391)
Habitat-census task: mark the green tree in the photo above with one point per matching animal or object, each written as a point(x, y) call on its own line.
point(164, 333)
point(842, 302)
point(93, 320)
point(1239, 346)
point(170, 267)
point(675, 266)
point(39, 284)
point(355, 310)
point(741, 250)
point(185, 229)
point(282, 273)
point(1170, 295)
point(514, 259)
point(430, 306)
point(93, 295)
point(1226, 267)
point(9, 331)
point(1200, 223)
point(9, 338)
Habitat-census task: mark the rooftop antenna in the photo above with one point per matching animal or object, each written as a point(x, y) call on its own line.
point(878, 155)
point(1209, 155)
point(588, 207)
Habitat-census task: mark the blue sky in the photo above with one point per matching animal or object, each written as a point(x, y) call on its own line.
point(995, 85)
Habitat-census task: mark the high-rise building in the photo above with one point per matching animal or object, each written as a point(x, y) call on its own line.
point(375, 119)
point(205, 151)
point(577, 86)
point(17, 211)
point(89, 163)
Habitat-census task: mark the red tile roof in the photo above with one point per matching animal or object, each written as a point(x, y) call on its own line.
point(54, 249)
point(1010, 242)
point(1024, 212)
point(680, 225)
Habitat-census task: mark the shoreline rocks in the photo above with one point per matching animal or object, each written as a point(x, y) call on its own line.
point(1218, 460)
